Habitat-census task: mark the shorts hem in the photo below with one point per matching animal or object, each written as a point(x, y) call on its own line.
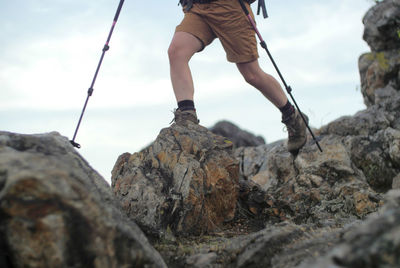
point(182, 29)
point(242, 59)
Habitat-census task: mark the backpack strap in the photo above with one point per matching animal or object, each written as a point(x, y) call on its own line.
point(189, 5)
point(261, 5)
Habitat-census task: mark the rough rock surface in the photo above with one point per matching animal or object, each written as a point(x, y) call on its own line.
point(382, 24)
point(381, 67)
point(185, 182)
point(325, 189)
point(373, 243)
point(56, 211)
point(379, 70)
point(239, 137)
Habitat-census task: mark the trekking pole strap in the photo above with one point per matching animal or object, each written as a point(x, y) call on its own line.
point(188, 4)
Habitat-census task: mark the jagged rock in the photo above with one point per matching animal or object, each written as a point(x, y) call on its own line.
point(396, 182)
point(382, 24)
point(363, 123)
point(390, 103)
point(378, 70)
point(373, 138)
point(375, 243)
point(378, 156)
point(186, 182)
point(282, 245)
point(381, 67)
point(56, 211)
point(239, 137)
point(320, 188)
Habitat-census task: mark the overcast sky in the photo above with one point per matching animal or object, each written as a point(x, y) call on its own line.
point(50, 49)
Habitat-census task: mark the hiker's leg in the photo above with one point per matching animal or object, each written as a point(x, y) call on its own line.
point(182, 48)
point(264, 82)
point(271, 89)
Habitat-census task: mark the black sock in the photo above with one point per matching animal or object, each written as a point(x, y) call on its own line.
point(186, 105)
point(287, 110)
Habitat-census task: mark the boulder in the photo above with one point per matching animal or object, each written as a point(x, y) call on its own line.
point(239, 137)
point(372, 143)
point(326, 188)
point(381, 26)
point(57, 211)
point(363, 123)
point(379, 70)
point(377, 156)
point(186, 182)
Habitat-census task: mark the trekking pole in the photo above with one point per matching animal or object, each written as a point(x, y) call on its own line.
point(91, 89)
point(288, 88)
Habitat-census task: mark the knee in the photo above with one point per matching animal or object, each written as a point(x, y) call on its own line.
point(175, 53)
point(251, 78)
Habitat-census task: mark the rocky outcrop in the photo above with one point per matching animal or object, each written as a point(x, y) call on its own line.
point(239, 137)
point(382, 25)
point(325, 189)
point(373, 243)
point(185, 182)
point(56, 211)
point(380, 68)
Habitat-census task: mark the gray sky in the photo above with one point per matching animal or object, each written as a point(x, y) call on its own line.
point(50, 49)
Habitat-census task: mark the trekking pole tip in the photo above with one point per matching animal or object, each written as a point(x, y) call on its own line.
point(76, 145)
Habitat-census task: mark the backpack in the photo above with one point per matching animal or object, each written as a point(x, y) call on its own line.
point(261, 5)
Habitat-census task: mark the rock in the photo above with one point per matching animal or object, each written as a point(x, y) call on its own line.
point(363, 123)
point(240, 138)
point(321, 188)
point(262, 164)
point(186, 181)
point(56, 211)
point(396, 182)
point(382, 24)
point(378, 70)
point(372, 155)
point(374, 243)
point(372, 137)
point(202, 260)
point(391, 106)
point(281, 245)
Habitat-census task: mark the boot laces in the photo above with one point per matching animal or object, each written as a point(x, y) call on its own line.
point(290, 130)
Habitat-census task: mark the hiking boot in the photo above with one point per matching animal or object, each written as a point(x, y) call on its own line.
point(183, 117)
point(297, 131)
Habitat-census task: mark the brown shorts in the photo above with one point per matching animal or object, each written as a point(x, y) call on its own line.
point(223, 19)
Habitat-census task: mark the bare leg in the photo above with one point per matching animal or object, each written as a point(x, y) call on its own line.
point(183, 46)
point(264, 82)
